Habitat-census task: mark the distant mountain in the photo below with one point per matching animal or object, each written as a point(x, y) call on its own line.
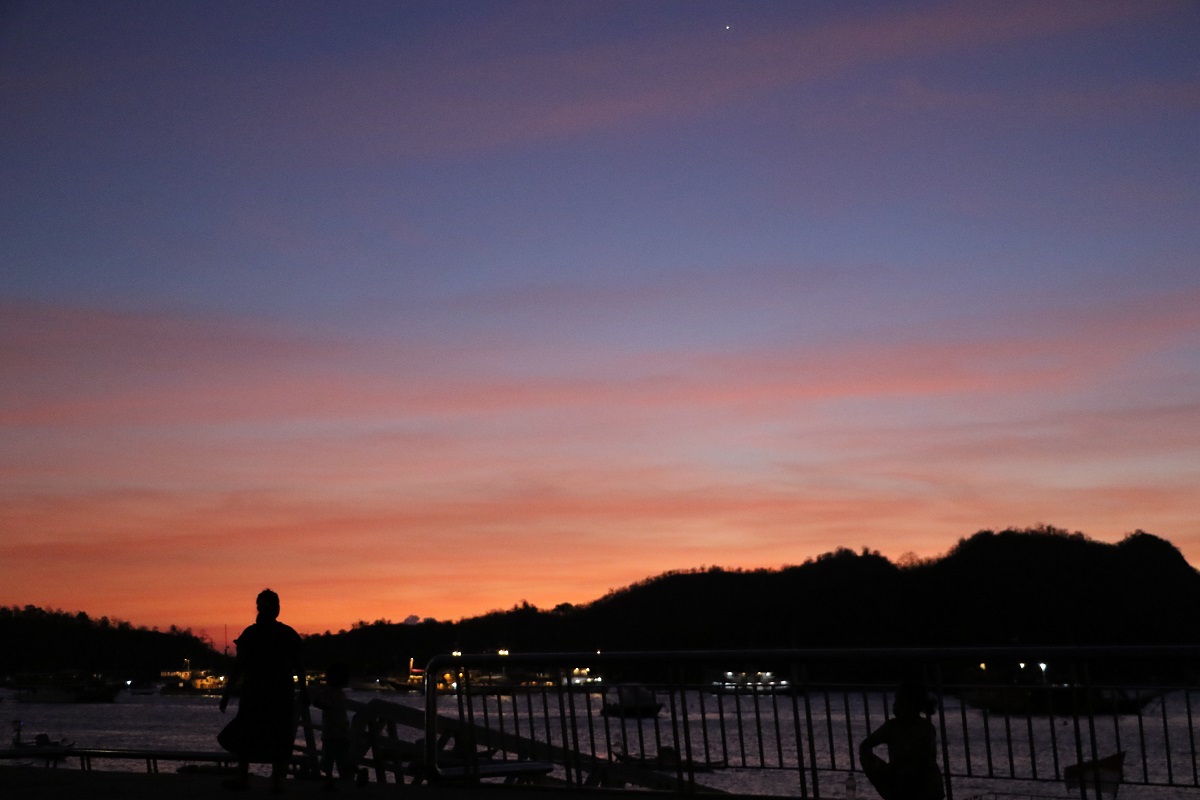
point(1039, 586)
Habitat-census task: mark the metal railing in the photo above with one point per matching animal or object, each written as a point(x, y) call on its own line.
point(1076, 722)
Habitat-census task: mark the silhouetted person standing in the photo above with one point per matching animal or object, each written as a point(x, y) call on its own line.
point(911, 771)
point(336, 746)
point(268, 661)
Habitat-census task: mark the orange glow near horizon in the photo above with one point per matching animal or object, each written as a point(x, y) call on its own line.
point(481, 507)
point(445, 312)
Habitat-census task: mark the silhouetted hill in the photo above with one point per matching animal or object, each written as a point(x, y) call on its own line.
point(34, 640)
point(1039, 586)
point(1050, 587)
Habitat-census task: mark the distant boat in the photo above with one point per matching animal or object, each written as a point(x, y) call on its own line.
point(193, 682)
point(66, 687)
point(41, 741)
point(42, 748)
point(1029, 689)
point(633, 702)
point(750, 683)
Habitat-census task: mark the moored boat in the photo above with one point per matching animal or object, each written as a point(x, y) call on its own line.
point(66, 687)
point(750, 683)
point(633, 702)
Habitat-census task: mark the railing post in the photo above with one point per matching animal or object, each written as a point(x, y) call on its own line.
point(939, 690)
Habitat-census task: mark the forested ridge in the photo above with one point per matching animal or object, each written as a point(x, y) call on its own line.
point(1041, 586)
point(34, 639)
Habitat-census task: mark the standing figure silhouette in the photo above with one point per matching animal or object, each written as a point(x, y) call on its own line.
point(267, 668)
point(911, 771)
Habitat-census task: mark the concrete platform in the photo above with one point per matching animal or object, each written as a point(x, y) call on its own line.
point(40, 783)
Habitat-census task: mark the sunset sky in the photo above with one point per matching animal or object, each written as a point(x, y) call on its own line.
point(432, 308)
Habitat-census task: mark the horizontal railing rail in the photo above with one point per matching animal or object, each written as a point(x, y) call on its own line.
point(86, 756)
point(789, 722)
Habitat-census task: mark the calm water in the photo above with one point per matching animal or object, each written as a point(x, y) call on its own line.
point(133, 721)
point(192, 723)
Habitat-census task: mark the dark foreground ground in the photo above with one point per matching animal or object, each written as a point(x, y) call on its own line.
point(39, 783)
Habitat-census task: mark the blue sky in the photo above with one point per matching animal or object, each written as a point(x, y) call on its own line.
point(435, 307)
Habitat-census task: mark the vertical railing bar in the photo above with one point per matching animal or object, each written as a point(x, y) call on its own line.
point(867, 690)
point(522, 751)
point(812, 739)
point(756, 695)
point(1115, 696)
point(1187, 703)
point(700, 695)
point(575, 723)
point(829, 729)
point(591, 723)
point(1090, 697)
point(849, 727)
point(608, 741)
point(574, 749)
point(721, 725)
point(479, 696)
point(685, 751)
point(658, 742)
point(793, 674)
point(1167, 746)
point(1008, 744)
point(622, 727)
point(778, 728)
point(641, 731)
point(939, 689)
point(1074, 695)
point(531, 709)
point(741, 726)
point(487, 724)
point(1054, 740)
point(671, 705)
point(549, 728)
point(1033, 772)
point(571, 765)
point(866, 724)
point(962, 713)
point(466, 739)
point(987, 741)
point(1141, 726)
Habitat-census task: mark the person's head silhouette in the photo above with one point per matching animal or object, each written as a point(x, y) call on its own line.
point(268, 605)
point(912, 699)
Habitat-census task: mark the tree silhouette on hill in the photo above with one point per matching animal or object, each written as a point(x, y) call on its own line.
point(1037, 586)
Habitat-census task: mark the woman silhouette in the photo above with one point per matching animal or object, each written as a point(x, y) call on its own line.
point(911, 771)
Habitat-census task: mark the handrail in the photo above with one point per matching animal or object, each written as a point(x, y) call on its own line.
point(991, 730)
point(86, 755)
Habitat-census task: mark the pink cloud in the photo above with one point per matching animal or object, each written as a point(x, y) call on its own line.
point(218, 477)
point(84, 368)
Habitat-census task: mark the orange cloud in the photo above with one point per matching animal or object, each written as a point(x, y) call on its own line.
point(361, 496)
